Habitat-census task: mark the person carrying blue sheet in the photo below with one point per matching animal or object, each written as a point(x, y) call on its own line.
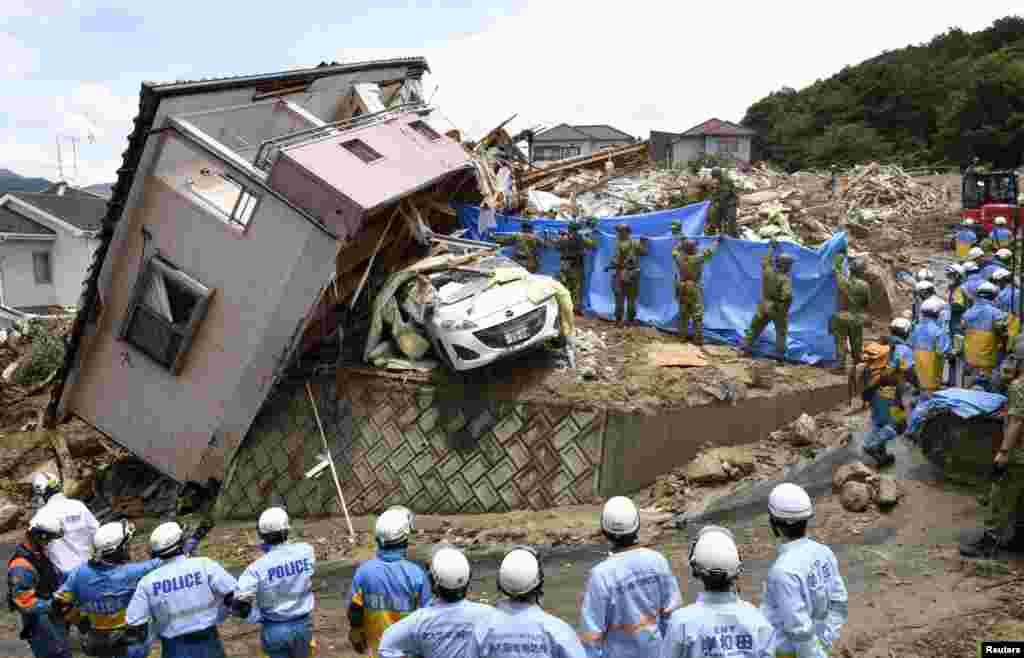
point(689, 291)
point(776, 298)
point(626, 264)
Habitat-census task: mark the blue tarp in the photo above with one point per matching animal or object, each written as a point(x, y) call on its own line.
point(966, 403)
point(732, 280)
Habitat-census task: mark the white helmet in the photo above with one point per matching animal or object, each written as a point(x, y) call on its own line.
point(714, 553)
point(410, 517)
point(968, 222)
point(999, 221)
point(1000, 274)
point(45, 526)
point(932, 306)
point(520, 572)
point(273, 521)
point(449, 569)
point(970, 267)
point(987, 290)
point(924, 288)
point(924, 274)
point(111, 538)
point(45, 485)
point(392, 528)
point(789, 502)
point(1004, 254)
point(620, 517)
point(975, 253)
point(898, 326)
point(166, 539)
point(954, 270)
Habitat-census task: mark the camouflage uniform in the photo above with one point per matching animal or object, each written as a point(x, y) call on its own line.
point(1007, 499)
point(573, 246)
point(776, 297)
point(688, 289)
point(528, 247)
point(726, 203)
point(626, 265)
point(849, 324)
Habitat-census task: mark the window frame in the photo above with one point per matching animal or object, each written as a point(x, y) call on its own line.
point(49, 268)
point(363, 143)
point(245, 193)
point(156, 264)
point(424, 130)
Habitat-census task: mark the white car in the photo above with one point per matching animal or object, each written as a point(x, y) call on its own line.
point(473, 325)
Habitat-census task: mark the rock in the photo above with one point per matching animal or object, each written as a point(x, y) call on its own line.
point(739, 458)
point(663, 489)
point(805, 431)
point(883, 288)
point(706, 468)
point(9, 371)
point(762, 375)
point(855, 496)
point(758, 198)
point(889, 491)
point(501, 535)
point(10, 515)
point(853, 472)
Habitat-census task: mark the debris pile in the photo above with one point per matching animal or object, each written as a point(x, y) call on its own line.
point(859, 487)
point(880, 192)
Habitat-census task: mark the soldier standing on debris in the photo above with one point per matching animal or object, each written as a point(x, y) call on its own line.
point(528, 246)
point(689, 292)
point(278, 588)
point(626, 265)
point(848, 325)
point(805, 597)
point(72, 549)
point(776, 298)
point(1004, 527)
point(387, 588)
point(719, 623)
point(573, 246)
point(726, 203)
point(32, 581)
point(630, 594)
point(445, 628)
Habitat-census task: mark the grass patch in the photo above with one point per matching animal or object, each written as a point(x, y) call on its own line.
point(899, 560)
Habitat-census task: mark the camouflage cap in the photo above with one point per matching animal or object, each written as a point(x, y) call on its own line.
point(677, 226)
point(623, 228)
point(786, 259)
point(574, 227)
point(526, 225)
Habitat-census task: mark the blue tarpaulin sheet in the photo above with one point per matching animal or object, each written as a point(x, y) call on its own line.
point(732, 280)
point(966, 403)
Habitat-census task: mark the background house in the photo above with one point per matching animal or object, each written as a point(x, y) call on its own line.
point(565, 141)
point(713, 137)
point(46, 244)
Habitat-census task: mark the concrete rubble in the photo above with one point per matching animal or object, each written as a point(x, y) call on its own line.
point(860, 486)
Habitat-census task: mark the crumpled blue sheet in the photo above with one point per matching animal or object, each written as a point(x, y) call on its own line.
point(965, 403)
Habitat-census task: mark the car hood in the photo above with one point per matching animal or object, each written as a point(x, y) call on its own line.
point(494, 300)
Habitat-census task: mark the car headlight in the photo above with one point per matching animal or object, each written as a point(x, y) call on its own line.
point(463, 325)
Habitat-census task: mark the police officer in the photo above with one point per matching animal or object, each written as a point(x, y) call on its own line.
point(630, 594)
point(387, 588)
point(71, 550)
point(925, 274)
point(805, 596)
point(885, 395)
point(922, 291)
point(444, 629)
point(955, 298)
point(726, 203)
point(965, 238)
point(1004, 257)
point(626, 264)
point(985, 327)
point(1007, 300)
point(528, 246)
point(689, 291)
point(719, 623)
point(776, 298)
point(931, 345)
point(972, 279)
point(32, 581)
point(279, 589)
point(999, 238)
point(848, 325)
point(520, 626)
point(184, 599)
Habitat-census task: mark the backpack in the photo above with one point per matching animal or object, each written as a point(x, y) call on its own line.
point(872, 368)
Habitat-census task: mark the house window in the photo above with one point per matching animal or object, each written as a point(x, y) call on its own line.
point(227, 194)
point(361, 150)
point(42, 266)
point(166, 309)
point(728, 145)
point(570, 151)
point(424, 129)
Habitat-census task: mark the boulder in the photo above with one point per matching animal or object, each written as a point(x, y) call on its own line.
point(889, 491)
point(706, 468)
point(805, 431)
point(883, 288)
point(10, 515)
point(739, 458)
point(853, 472)
point(855, 496)
point(758, 198)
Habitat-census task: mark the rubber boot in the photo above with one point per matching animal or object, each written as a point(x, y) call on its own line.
point(984, 545)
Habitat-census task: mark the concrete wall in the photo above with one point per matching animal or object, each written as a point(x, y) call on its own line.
point(17, 274)
point(446, 450)
point(689, 148)
point(242, 129)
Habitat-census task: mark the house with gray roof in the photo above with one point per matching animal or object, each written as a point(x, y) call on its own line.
point(711, 137)
point(46, 244)
point(565, 141)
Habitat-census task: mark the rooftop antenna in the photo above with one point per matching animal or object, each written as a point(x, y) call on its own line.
point(434, 93)
point(74, 152)
point(60, 162)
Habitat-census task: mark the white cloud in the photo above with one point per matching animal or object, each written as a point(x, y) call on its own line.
point(92, 110)
point(16, 60)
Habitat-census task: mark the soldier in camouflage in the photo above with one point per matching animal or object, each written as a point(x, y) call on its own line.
point(776, 298)
point(626, 264)
point(677, 233)
point(688, 289)
point(848, 325)
point(528, 246)
point(726, 203)
point(1004, 522)
point(573, 246)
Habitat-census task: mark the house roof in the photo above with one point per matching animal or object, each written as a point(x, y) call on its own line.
point(717, 127)
point(81, 210)
point(603, 132)
point(149, 102)
point(12, 222)
point(563, 132)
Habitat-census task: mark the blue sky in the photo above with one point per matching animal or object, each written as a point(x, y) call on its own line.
point(73, 68)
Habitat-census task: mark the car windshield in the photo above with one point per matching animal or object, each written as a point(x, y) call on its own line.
point(453, 286)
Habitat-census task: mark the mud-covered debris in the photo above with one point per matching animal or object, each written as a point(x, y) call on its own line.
point(853, 472)
point(740, 458)
point(889, 491)
point(10, 515)
point(587, 373)
point(762, 375)
point(855, 496)
point(706, 469)
point(805, 431)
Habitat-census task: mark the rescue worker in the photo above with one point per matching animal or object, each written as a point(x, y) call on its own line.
point(988, 264)
point(977, 254)
point(1008, 301)
point(677, 233)
point(726, 203)
point(184, 599)
point(573, 247)
point(1004, 257)
point(388, 587)
point(922, 291)
point(519, 625)
point(972, 279)
point(1000, 237)
point(528, 246)
point(956, 300)
point(931, 345)
point(32, 581)
point(626, 264)
point(848, 325)
point(277, 589)
point(630, 594)
point(964, 238)
point(79, 524)
point(776, 298)
point(719, 623)
point(985, 328)
point(689, 289)
point(101, 589)
point(446, 628)
point(805, 597)
point(885, 395)
point(1004, 525)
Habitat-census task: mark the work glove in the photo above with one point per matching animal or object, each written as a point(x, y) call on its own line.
point(355, 636)
point(998, 471)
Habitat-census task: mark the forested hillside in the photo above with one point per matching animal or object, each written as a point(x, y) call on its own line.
point(960, 95)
